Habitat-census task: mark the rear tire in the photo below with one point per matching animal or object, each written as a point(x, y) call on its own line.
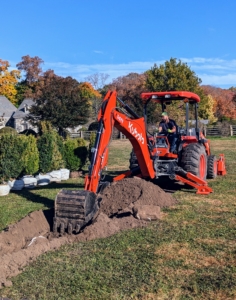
point(194, 160)
point(211, 167)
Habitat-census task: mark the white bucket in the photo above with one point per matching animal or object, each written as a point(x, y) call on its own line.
point(65, 174)
point(4, 189)
point(55, 176)
point(43, 179)
point(29, 181)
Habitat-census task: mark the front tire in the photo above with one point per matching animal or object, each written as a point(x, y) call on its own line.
point(194, 160)
point(211, 167)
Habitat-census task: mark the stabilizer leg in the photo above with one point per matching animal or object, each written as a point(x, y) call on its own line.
point(200, 185)
point(221, 170)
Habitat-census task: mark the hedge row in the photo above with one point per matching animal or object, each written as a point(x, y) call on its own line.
point(26, 155)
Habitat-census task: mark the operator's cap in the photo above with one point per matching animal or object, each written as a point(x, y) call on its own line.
point(164, 114)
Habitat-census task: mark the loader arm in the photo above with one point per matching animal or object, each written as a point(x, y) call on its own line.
point(134, 129)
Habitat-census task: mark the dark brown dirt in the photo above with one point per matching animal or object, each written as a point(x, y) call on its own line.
point(24, 241)
point(18, 235)
point(122, 195)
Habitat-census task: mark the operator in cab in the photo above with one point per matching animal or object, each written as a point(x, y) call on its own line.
point(168, 127)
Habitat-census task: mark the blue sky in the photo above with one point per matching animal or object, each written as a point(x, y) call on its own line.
point(81, 37)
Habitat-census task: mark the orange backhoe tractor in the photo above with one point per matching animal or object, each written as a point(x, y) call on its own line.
point(150, 158)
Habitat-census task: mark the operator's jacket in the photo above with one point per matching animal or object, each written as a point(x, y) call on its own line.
point(170, 125)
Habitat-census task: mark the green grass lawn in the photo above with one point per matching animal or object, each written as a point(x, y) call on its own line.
point(189, 254)
point(18, 204)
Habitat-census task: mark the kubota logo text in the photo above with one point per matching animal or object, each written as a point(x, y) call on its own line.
point(135, 133)
point(120, 119)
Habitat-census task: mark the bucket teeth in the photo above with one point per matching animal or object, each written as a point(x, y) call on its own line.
point(70, 228)
point(55, 226)
point(62, 228)
point(77, 229)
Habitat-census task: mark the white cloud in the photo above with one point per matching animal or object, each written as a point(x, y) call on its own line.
point(212, 71)
point(98, 52)
point(227, 80)
point(80, 71)
point(216, 64)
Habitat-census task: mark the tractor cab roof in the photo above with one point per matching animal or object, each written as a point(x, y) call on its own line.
point(162, 97)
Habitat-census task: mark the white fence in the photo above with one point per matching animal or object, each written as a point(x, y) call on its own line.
point(233, 130)
point(229, 130)
point(219, 130)
point(82, 134)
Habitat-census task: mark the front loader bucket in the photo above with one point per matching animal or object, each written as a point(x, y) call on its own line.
point(73, 210)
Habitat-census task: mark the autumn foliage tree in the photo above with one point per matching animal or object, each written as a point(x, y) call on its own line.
point(87, 91)
point(224, 102)
point(175, 75)
point(64, 102)
point(97, 80)
point(207, 109)
point(129, 89)
point(8, 81)
point(95, 98)
point(61, 101)
point(31, 68)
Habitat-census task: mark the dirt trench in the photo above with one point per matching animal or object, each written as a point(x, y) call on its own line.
point(23, 242)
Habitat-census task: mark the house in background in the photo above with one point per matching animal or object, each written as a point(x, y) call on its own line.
point(16, 118)
point(7, 110)
point(20, 123)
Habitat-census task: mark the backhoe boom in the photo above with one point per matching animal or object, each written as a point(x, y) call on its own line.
point(133, 128)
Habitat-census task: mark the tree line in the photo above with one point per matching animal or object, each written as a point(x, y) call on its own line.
point(65, 102)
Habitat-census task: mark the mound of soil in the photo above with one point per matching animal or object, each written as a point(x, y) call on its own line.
point(18, 235)
point(122, 195)
point(24, 241)
point(104, 226)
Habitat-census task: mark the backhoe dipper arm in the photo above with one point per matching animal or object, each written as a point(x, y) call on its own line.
point(133, 128)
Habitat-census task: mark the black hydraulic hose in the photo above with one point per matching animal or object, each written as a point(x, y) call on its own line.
point(96, 145)
point(129, 110)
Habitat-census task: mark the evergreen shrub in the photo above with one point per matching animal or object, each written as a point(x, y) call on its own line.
point(11, 162)
point(30, 154)
point(58, 152)
point(75, 153)
point(45, 148)
point(81, 151)
point(73, 162)
point(51, 150)
point(7, 130)
point(60, 144)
